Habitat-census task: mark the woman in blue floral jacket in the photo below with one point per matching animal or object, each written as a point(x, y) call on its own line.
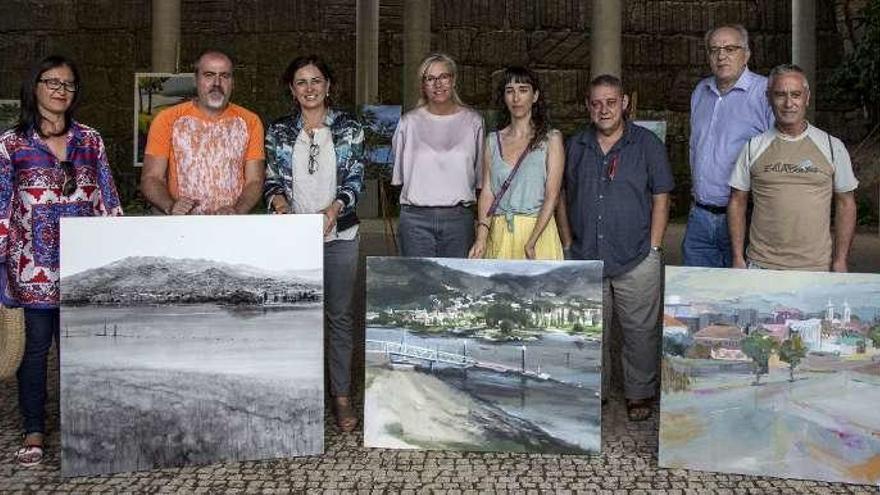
point(315, 164)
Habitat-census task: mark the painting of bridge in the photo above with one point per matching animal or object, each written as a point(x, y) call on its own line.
point(772, 373)
point(483, 355)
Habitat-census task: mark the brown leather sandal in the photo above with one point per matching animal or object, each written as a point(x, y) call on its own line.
point(345, 417)
point(638, 410)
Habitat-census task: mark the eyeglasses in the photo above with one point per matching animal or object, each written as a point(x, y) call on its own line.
point(728, 50)
point(443, 78)
point(69, 178)
point(314, 151)
point(56, 84)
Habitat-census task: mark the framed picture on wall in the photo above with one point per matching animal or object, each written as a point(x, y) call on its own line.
point(153, 92)
point(8, 113)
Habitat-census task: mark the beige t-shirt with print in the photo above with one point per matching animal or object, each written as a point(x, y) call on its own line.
point(792, 181)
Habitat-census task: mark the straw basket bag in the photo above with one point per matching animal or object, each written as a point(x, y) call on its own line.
point(11, 340)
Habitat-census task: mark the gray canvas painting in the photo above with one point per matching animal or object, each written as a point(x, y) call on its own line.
point(190, 340)
point(483, 355)
point(772, 373)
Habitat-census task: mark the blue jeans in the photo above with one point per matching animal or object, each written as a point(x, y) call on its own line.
point(41, 327)
point(706, 240)
point(446, 232)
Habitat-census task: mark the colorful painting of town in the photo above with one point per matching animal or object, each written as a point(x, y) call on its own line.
point(772, 373)
point(483, 355)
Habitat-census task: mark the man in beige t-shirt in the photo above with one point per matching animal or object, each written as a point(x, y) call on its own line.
point(792, 171)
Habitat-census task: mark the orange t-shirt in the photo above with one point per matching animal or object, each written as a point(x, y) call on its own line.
point(206, 155)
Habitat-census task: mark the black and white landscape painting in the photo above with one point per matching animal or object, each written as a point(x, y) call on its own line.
point(483, 355)
point(190, 340)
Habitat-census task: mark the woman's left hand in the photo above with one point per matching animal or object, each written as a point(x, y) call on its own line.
point(330, 215)
point(530, 250)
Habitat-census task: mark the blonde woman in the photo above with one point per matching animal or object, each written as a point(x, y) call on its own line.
point(437, 149)
point(522, 175)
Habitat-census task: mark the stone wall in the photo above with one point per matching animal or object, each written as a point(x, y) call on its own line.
point(662, 49)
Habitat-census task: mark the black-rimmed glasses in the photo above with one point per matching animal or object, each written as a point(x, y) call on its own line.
point(69, 185)
point(56, 84)
point(314, 151)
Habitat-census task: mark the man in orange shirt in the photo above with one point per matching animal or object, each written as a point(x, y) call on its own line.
point(205, 156)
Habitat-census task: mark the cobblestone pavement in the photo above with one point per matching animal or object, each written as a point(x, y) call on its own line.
point(628, 464)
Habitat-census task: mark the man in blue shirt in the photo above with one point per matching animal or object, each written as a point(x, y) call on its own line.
point(727, 109)
point(617, 180)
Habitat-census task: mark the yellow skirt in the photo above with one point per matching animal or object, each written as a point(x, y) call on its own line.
point(510, 245)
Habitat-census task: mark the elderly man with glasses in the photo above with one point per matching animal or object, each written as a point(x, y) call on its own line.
point(727, 108)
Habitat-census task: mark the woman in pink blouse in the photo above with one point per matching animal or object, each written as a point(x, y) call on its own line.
point(50, 167)
point(437, 149)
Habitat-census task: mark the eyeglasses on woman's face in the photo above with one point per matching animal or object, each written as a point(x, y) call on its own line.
point(442, 78)
point(56, 84)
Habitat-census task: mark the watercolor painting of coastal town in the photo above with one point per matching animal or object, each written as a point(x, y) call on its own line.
point(184, 342)
point(772, 373)
point(483, 355)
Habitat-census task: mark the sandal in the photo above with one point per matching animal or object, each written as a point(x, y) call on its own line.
point(30, 454)
point(345, 417)
point(638, 410)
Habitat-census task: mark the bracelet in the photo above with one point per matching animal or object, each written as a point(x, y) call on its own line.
point(483, 224)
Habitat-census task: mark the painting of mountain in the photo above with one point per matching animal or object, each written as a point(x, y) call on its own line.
point(772, 373)
point(184, 342)
point(483, 355)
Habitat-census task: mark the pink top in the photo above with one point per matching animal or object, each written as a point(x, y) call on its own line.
point(437, 157)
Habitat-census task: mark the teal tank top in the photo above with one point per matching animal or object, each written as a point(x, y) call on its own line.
point(525, 195)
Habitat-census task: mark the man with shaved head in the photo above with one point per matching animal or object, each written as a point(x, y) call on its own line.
point(205, 156)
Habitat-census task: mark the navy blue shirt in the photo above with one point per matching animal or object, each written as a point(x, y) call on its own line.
point(610, 195)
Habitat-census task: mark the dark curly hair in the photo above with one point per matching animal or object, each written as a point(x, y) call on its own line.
point(540, 117)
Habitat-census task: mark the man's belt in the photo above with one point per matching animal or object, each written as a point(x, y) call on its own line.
point(717, 210)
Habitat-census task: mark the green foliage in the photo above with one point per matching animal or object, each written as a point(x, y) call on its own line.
point(874, 335)
point(758, 347)
point(792, 351)
point(500, 313)
point(859, 75)
point(676, 345)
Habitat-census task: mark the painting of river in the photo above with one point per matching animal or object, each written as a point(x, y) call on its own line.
point(772, 373)
point(181, 345)
point(483, 355)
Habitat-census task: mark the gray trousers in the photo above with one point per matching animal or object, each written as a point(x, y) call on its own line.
point(340, 272)
point(446, 232)
point(633, 300)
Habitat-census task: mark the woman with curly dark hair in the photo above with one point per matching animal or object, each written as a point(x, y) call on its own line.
point(522, 175)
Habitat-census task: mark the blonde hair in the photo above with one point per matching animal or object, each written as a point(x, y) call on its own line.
point(423, 68)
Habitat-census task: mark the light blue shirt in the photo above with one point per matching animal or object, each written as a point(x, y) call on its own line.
point(720, 127)
point(525, 195)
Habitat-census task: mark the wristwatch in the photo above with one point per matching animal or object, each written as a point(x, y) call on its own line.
point(657, 249)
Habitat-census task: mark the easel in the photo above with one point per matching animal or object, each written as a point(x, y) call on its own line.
point(387, 219)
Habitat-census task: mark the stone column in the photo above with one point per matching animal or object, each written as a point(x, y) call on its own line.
point(605, 38)
point(803, 43)
point(166, 35)
point(367, 91)
point(416, 46)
